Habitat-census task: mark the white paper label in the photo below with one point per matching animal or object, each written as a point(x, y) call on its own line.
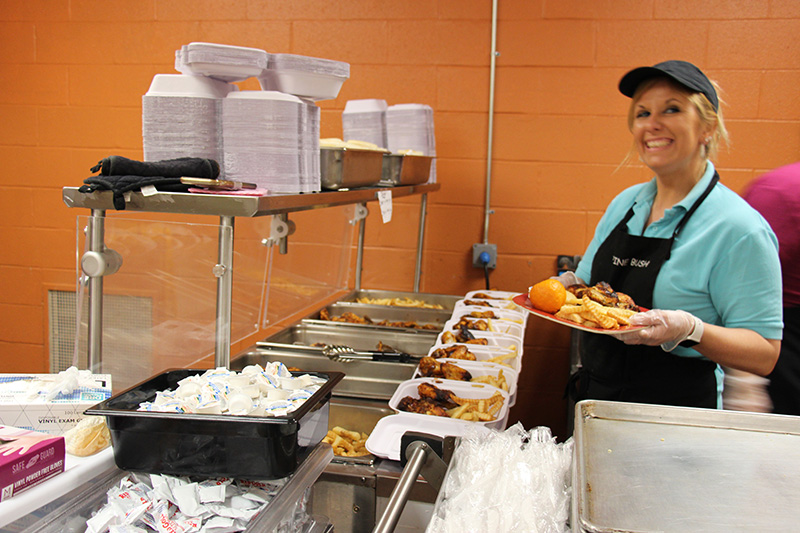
point(149, 190)
point(385, 201)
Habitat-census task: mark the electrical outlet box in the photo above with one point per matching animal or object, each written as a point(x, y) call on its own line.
point(490, 249)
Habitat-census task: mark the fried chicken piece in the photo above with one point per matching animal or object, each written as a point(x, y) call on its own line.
point(626, 302)
point(482, 314)
point(442, 397)
point(451, 371)
point(430, 367)
point(579, 289)
point(477, 303)
point(464, 322)
point(456, 351)
point(423, 406)
point(603, 294)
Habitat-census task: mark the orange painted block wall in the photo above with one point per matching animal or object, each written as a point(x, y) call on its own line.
point(73, 73)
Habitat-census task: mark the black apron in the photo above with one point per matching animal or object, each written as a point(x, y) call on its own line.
point(613, 370)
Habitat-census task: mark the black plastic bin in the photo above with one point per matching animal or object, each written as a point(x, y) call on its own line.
point(250, 447)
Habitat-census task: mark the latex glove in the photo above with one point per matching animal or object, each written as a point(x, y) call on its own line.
point(665, 328)
point(568, 278)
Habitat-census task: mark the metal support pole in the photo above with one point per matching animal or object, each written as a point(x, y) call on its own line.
point(399, 497)
point(423, 210)
point(223, 270)
point(360, 252)
point(96, 237)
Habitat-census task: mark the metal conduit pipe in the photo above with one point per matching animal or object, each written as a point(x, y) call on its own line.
point(493, 66)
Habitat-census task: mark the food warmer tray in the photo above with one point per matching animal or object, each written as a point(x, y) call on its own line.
point(390, 313)
point(658, 468)
point(294, 347)
point(447, 301)
point(249, 447)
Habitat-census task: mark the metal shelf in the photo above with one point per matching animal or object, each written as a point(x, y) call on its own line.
point(235, 206)
point(226, 207)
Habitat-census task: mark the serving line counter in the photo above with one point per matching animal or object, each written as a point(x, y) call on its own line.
point(65, 502)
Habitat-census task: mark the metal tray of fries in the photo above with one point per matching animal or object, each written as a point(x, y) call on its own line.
point(658, 468)
point(402, 299)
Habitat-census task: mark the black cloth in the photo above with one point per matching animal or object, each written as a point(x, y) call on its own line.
point(784, 381)
point(195, 167)
point(613, 370)
point(120, 175)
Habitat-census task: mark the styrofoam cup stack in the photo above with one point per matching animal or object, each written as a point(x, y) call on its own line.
point(261, 139)
point(365, 120)
point(181, 117)
point(410, 127)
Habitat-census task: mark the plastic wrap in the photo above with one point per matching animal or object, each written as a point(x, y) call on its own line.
point(514, 480)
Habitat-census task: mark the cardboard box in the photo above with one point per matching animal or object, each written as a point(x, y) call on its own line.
point(23, 402)
point(27, 458)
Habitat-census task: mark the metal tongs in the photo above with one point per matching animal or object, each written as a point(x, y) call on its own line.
point(341, 353)
point(346, 354)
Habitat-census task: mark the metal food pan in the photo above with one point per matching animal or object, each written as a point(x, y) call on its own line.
point(250, 447)
point(434, 318)
point(399, 169)
point(447, 301)
point(658, 468)
point(347, 168)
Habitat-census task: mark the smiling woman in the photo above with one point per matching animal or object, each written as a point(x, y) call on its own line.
point(706, 263)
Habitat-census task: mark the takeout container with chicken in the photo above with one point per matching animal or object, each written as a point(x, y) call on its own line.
point(484, 325)
point(510, 309)
point(508, 357)
point(480, 339)
point(459, 370)
point(470, 403)
point(474, 312)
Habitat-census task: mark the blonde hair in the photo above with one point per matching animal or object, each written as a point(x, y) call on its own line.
point(709, 117)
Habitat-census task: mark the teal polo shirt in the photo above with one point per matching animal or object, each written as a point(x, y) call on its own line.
point(724, 265)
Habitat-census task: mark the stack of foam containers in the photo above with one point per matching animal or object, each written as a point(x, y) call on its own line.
point(180, 117)
point(410, 127)
point(268, 137)
point(262, 139)
point(365, 120)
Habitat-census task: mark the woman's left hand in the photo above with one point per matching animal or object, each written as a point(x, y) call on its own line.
point(664, 328)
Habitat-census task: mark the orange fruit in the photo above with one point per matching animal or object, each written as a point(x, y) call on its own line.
point(548, 295)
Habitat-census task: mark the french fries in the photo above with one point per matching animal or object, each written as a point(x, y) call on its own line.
point(346, 443)
point(477, 409)
point(589, 313)
point(498, 381)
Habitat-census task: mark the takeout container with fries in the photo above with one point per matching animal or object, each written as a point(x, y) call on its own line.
point(480, 399)
point(492, 294)
point(494, 374)
point(494, 314)
point(493, 340)
point(507, 357)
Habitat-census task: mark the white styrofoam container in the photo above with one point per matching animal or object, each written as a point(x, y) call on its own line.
point(482, 368)
point(504, 327)
point(221, 61)
point(385, 439)
point(188, 85)
point(494, 295)
point(459, 388)
point(483, 353)
point(307, 77)
point(483, 304)
point(499, 314)
point(494, 340)
point(21, 408)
